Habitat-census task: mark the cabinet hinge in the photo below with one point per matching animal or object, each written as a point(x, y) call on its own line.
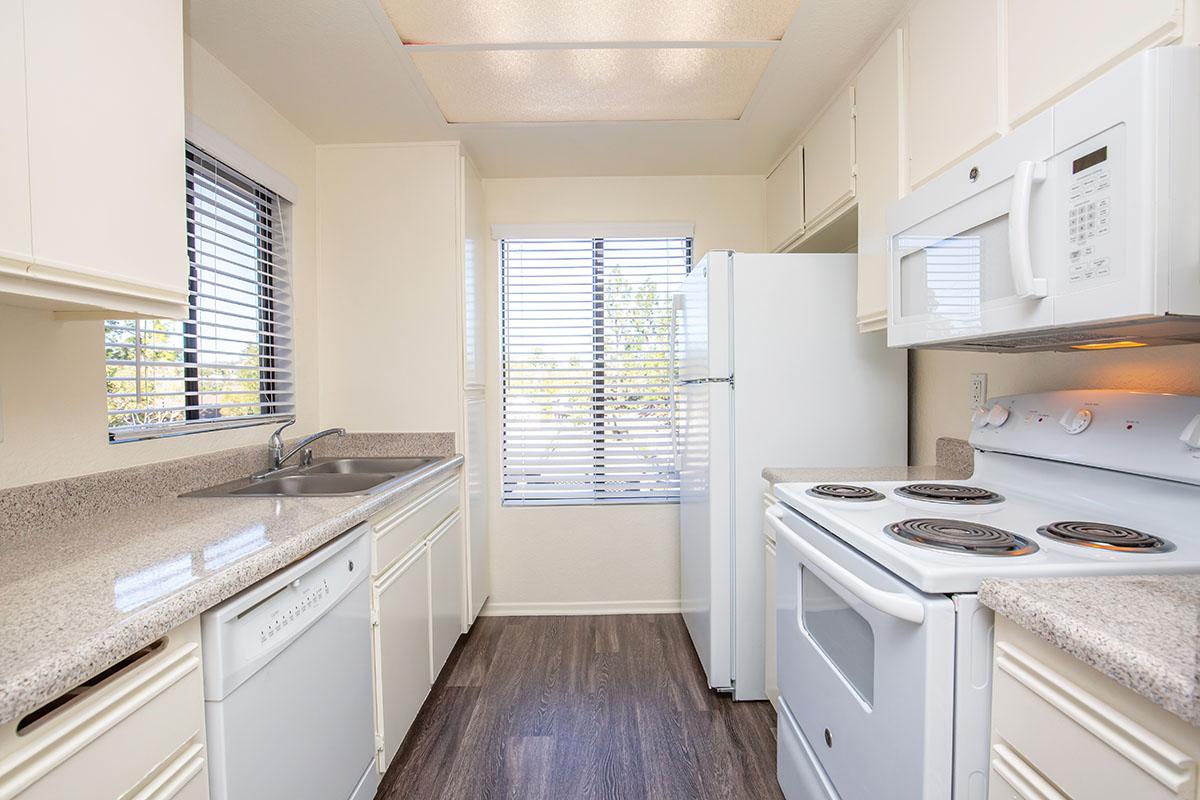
point(378, 743)
point(853, 112)
point(375, 617)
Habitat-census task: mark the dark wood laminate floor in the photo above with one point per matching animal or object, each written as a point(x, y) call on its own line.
point(582, 707)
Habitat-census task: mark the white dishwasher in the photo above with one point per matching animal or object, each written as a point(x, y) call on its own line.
point(287, 682)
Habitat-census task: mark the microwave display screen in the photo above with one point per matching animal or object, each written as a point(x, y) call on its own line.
point(1090, 160)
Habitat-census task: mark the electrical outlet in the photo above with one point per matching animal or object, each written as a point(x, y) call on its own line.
point(978, 388)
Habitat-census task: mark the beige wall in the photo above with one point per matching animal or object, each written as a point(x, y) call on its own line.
point(52, 373)
point(389, 286)
point(939, 382)
point(580, 558)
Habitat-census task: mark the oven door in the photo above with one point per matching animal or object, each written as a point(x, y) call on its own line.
point(866, 665)
point(971, 253)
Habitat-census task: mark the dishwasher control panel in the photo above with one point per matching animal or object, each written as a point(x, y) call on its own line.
point(252, 627)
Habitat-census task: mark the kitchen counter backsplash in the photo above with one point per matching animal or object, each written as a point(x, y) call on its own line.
point(24, 510)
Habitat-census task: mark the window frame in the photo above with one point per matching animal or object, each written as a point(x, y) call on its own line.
point(599, 369)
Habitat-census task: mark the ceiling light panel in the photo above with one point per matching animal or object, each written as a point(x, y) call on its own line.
point(506, 22)
point(592, 85)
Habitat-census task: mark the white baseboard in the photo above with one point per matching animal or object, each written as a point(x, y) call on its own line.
point(579, 608)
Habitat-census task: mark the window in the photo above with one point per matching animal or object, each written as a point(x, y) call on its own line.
point(586, 332)
point(230, 362)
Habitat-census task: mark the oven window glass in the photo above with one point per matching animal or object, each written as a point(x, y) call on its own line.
point(945, 276)
point(841, 632)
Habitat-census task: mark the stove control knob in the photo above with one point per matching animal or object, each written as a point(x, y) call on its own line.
point(1191, 434)
point(1076, 421)
point(979, 417)
point(997, 415)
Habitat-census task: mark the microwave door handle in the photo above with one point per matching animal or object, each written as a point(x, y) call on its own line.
point(1027, 174)
point(890, 603)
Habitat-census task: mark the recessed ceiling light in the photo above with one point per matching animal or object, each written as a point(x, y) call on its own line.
point(592, 85)
point(484, 22)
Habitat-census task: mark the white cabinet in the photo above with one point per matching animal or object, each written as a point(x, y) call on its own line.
point(445, 592)
point(1061, 729)
point(105, 133)
point(784, 202)
point(16, 247)
point(877, 153)
point(1056, 47)
point(770, 649)
point(478, 573)
point(475, 243)
point(136, 733)
point(952, 82)
point(400, 601)
point(829, 162)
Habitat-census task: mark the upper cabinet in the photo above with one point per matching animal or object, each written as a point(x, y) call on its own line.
point(16, 246)
point(953, 82)
point(1055, 47)
point(475, 242)
point(877, 146)
point(103, 153)
point(784, 202)
point(829, 161)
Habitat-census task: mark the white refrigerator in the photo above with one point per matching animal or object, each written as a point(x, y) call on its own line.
point(771, 370)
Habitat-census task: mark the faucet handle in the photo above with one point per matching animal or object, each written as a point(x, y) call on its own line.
point(278, 431)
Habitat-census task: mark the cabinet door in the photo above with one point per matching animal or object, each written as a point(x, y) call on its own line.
point(771, 678)
point(829, 161)
point(1055, 47)
point(478, 572)
point(401, 600)
point(953, 106)
point(784, 217)
point(445, 591)
point(15, 243)
point(475, 244)
point(106, 140)
point(877, 151)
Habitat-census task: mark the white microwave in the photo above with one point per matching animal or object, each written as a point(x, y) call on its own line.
point(1080, 229)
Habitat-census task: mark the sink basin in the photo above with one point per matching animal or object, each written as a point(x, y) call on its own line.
point(329, 477)
point(357, 466)
point(302, 485)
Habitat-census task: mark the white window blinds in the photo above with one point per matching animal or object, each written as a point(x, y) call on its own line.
point(230, 362)
point(587, 368)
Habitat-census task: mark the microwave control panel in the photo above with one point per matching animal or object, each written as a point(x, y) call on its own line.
point(1091, 191)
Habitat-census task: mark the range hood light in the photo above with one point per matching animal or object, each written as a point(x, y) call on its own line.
point(1108, 345)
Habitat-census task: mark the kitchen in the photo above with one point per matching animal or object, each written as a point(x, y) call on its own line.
point(504, 258)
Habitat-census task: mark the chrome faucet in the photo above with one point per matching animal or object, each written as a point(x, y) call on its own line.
point(275, 445)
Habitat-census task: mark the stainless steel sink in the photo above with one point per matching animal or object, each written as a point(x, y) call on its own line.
point(358, 466)
point(320, 484)
point(329, 477)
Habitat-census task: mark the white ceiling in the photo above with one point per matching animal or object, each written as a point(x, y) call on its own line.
point(340, 72)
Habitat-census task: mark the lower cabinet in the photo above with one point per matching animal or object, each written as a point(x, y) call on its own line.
point(418, 597)
point(445, 591)
point(134, 732)
point(400, 600)
point(1061, 730)
point(770, 632)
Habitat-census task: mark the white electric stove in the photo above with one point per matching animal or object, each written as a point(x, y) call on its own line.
point(884, 651)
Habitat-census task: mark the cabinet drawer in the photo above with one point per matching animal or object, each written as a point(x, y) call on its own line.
point(1012, 779)
point(1079, 742)
point(398, 529)
point(140, 737)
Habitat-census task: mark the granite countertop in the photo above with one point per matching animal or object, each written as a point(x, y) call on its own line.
point(955, 461)
point(79, 595)
point(1141, 631)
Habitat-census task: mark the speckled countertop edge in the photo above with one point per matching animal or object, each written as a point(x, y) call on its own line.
point(50, 672)
point(955, 461)
point(1141, 631)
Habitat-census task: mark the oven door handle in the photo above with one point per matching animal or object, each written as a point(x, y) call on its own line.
point(1027, 174)
point(890, 603)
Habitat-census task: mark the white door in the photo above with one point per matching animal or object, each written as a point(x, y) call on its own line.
point(445, 591)
point(703, 458)
point(967, 255)
point(401, 602)
point(866, 667)
point(478, 574)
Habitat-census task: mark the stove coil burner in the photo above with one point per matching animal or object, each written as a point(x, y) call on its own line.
point(958, 536)
point(949, 493)
point(843, 491)
point(1105, 537)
